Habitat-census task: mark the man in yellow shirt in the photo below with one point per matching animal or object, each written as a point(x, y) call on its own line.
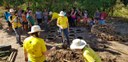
point(62, 23)
point(16, 25)
point(34, 47)
point(88, 54)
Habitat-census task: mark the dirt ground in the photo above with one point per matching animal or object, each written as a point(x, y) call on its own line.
point(110, 43)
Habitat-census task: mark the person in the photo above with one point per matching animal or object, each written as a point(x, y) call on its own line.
point(88, 53)
point(30, 19)
point(34, 47)
point(97, 14)
point(45, 18)
point(62, 23)
point(6, 16)
point(39, 16)
point(73, 17)
point(16, 25)
point(54, 16)
point(25, 22)
point(91, 22)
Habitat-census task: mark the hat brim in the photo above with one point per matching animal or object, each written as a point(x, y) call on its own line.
point(73, 46)
point(35, 31)
point(76, 47)
point(61, 15)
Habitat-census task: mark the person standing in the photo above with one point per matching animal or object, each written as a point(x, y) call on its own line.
point(39, 16)
point(34, 47)
point(16, 25)
point(88, 53)
point(6, 16)
point(25, 22)
point(30, 19)
point(62, 23)
point(45, 18)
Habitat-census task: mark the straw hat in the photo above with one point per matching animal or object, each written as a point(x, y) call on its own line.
point(62, 13)
point(35, 28)
point(78, 44)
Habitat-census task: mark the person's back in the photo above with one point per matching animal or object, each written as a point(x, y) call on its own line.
point(55, 15)
point(90, 55)
point(31, 19)
point(35, 47)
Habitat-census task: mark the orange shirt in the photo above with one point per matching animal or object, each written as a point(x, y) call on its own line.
point(24, 18)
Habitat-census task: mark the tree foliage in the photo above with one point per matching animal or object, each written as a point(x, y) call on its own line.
point(58, 5)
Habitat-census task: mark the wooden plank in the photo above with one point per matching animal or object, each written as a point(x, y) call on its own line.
point(118, 46)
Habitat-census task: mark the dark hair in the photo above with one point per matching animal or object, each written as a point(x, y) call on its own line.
point(35, 34)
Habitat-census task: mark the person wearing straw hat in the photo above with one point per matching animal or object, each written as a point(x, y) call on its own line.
point(89, 54)
point(34, 47)
point(62, 23)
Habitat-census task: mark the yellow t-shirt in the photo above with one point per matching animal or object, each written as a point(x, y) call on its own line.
point(90, 55)
point(35, 48)
point(54, 15)
point(63, 21)
point(15, 22)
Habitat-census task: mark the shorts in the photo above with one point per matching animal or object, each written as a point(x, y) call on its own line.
point(9, 24)
point(39, 21)
point(25, 23)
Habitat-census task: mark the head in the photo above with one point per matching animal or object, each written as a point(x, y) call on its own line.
point(35, 31)
point(12, 11)
point(30, 12)
point(45, 9)
point(50, 13)
point(78, 44)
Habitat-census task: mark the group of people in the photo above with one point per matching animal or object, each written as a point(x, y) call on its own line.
point(34, 47)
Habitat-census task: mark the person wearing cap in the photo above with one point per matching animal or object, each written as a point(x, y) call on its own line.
point(62, 23)
point(54, 16)
point(16, 25)
point(89, 54)
point(34, 47)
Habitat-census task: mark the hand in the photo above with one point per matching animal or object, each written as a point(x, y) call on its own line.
point(61, 27)
point(53, 48)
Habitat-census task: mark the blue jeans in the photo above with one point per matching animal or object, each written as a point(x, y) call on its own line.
point(65, 33)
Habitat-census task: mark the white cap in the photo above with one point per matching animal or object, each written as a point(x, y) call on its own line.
point(11, 10)
point(78, 44)
point(62, 13)
point(35, 28)
point(50, 13)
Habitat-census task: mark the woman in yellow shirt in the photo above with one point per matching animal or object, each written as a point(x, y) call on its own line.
point(89, 54)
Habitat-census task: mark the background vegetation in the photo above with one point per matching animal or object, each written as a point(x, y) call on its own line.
point(113, 7)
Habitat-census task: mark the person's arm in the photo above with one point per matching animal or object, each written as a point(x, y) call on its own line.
point(44, 49)
point(26, 55)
